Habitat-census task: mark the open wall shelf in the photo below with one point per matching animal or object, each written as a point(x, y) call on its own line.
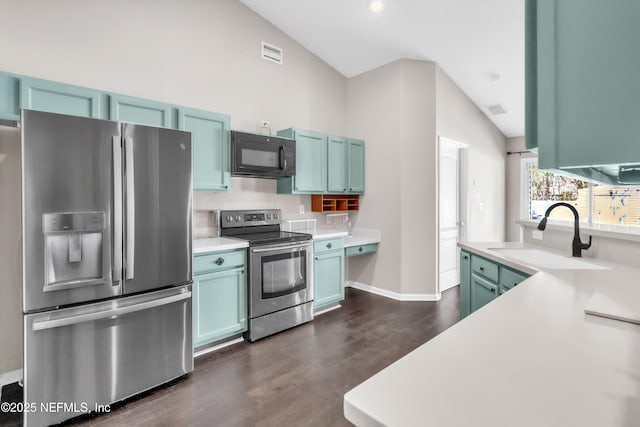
point(335, 202)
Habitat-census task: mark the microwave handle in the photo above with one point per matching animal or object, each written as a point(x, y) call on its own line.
point(283, 161)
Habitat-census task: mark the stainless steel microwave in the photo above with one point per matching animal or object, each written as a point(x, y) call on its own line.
point(262, 156)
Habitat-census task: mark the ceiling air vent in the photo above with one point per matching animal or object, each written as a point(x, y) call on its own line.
point(496, 109)
point(271, 53)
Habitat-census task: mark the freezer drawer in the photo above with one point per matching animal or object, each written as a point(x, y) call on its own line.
point(105, 352)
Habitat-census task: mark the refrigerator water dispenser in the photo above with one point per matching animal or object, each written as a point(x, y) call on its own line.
point(73, 249)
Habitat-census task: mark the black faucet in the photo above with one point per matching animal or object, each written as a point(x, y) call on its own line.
point(577, 245)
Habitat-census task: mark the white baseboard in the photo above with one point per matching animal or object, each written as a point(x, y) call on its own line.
point(326, 310)
point(217, 347)
point(10, 377)
point(390, 294)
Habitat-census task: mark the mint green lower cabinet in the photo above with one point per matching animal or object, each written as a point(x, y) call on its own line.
point(465, 284)
point(483, 291)
point(483, 280)
point(219, 296)
point(328, 278)
point(210, 146)
point(361, 250)
point(139, 111)
point(53, 97)
point(355, 166)
point(219, 305)
point(510, 278)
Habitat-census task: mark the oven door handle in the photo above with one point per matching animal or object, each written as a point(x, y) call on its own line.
point(281, 246)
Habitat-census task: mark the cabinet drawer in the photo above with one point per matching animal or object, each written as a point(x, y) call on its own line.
point(215, 261)
point(326, 245)
point(484, 267)
point(361, 250)
point(510, 278)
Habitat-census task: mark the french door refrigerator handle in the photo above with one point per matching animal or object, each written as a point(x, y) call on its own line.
point(131, 209)
point(108, 314)
point(117, 210)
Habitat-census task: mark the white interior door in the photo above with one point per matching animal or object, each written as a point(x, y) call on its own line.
point(450, 170)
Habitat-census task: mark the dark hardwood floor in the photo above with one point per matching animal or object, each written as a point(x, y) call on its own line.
point(295, 378)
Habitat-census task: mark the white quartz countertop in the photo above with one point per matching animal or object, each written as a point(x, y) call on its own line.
point(217, 244)
point(328, 233)
point(359, 236)
point(532, 357)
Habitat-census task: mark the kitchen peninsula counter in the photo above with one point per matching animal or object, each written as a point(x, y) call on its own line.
point(532, 357)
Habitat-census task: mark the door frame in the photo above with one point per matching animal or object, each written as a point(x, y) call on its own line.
point(463, 205)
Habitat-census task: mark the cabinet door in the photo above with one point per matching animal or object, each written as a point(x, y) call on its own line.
point(52, 97)
point(356, 166)
point(482, 291)
point(328, 278)
point(582, 86)
point(210, 147)
point(219, 305)
point(510, 278)
point(311, 162)
point(139, 111)
point(337, 164)
point(465, 284)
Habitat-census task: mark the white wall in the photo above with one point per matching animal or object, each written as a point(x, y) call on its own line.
point(458, 118)
point(514, 170)
point(202, 54)
point(399, 109)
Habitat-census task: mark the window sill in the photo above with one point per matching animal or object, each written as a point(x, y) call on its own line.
point(618, 232)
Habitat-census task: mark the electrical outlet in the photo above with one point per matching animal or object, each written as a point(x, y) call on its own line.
point(301, 209)
point(536, 234)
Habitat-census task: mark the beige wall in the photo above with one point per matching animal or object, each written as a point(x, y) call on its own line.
point(10, 253)
point(203, 54)
point(458, 118)
point(513, 186)
point(399, 109)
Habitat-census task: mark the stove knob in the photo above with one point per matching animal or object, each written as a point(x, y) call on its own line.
point(238, 218)
point(268, 216)
point(275, 216)
point(229, 218)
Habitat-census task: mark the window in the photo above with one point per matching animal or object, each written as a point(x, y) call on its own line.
point(596, 203)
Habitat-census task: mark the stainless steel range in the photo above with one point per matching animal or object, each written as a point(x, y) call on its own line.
point(280, 270)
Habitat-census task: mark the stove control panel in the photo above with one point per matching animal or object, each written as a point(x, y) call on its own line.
point(250, 218)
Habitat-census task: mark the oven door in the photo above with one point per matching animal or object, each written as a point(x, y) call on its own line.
point(280, 276)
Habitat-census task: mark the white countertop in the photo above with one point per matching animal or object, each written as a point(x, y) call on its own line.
point(328, 233)
point(532, 357)
point(217, 244)
point(359, 236)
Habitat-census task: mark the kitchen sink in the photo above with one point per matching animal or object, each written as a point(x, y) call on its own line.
point(547, 260)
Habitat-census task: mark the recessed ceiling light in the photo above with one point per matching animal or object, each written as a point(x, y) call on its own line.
point(376, 6)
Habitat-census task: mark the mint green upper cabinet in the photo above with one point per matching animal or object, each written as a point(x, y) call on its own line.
point(328, 272)
point(337, 164)
point(53, 97)
point(356, 166)
point(582, 91)
point(139, 111)
point(210, 147)
point(9, 97)
point(311, 163)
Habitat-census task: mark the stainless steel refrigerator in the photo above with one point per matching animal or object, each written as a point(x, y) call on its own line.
point(106, 259)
